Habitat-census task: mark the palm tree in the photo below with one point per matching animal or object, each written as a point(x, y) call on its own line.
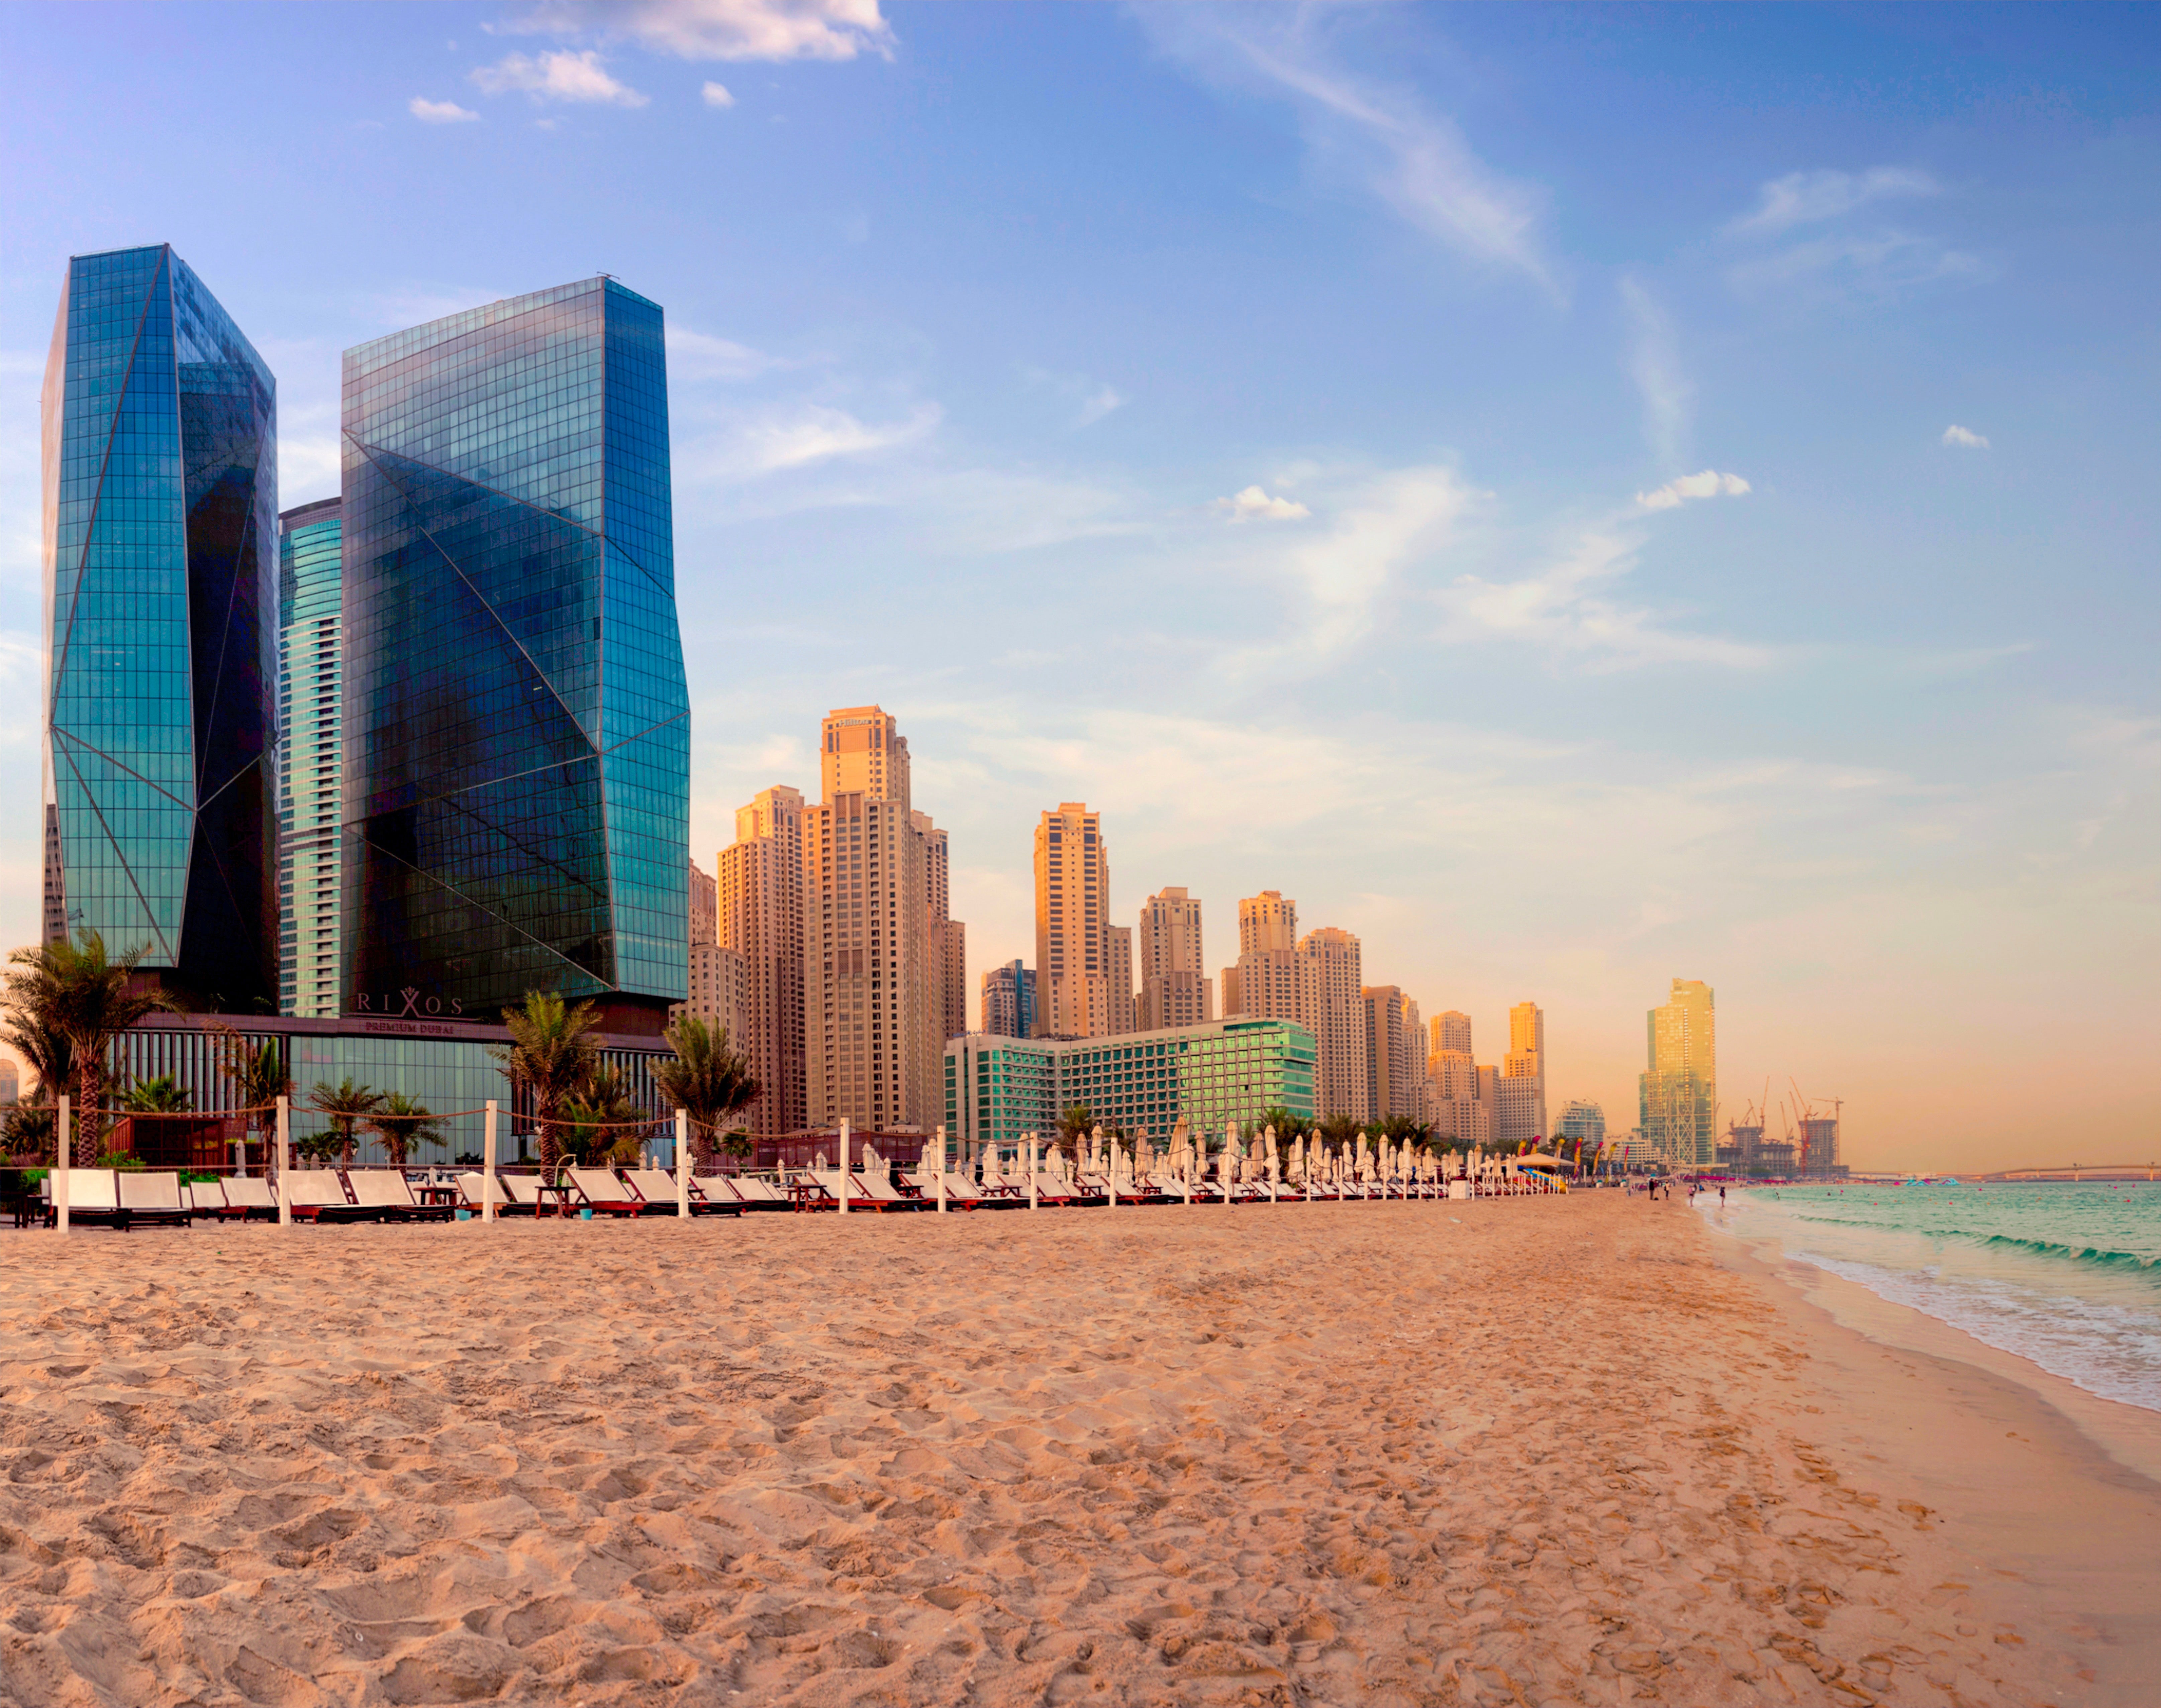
point(348, 1105)
point(162, 1096)
point(89, 998)
point(29, 1132)
point(259, 1074)
point(1340, 1130)
point(44, 1050)
point(706, 1080)
point(1077, 1123)
point(737, 1145)
point(605, 1125)
point(550, 1055)
point(401, 1124)
point(1288, 1125)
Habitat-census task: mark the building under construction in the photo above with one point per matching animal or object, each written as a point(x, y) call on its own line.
point(1808, 1150)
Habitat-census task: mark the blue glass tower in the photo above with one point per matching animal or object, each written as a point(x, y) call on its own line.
point(517, 724)
point(160, 477)
point(310, 791)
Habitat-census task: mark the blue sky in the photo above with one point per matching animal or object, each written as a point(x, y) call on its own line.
point(1578, 496)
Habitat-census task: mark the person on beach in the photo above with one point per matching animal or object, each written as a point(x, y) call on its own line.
point(1722, 1197)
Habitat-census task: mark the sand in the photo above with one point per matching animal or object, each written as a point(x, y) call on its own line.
point(1531, 1451)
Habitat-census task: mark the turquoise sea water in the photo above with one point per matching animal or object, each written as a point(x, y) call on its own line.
point(2069, 1276)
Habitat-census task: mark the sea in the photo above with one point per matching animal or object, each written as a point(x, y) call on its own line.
point(2067, 1275)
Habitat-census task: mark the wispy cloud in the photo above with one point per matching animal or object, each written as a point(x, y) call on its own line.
point(1707, 484)
point(1808, 198)
point(1957, 435)
point(717, 94)
point(1656, 368)
point(1254, 504)
point(1097, 404)
point(440, 113)
point(562, 75)
point(1380, 532)
point(810, 433)
point(724, 30)
point(699, 355)
point(1414, 160)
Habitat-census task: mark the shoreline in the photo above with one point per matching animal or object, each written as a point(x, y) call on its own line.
point(1546, 1449)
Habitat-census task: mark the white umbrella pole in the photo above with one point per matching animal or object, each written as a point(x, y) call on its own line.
point(61, 1162)
point(1031, 1170)
point(846, 1132)
point(683, 1167)
point(487, 1163)
point(941, 1171)
point(284, 1162)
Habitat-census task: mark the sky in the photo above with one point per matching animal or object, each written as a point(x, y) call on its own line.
point(1578, 496)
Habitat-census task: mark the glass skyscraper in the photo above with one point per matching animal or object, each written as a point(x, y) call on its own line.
point(310, 793)
point(516, 720)
point(160, 497)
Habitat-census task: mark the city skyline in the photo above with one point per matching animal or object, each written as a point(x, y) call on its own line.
point(1602, 562)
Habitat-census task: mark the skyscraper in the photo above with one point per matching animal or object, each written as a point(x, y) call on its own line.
point(949, 936)
point(1269, 980)
point(1450, 1031)
point(1522, 1113)
point(1010, 1001)
point(1174, 992)
point(1337, 1021)
point(517, 724)
point(1118, 975)
point(704, 906)
point(311, 785)
point(1678, 1094)
point(160, 546)
point(1395, 1068)
point(1072, 925)
point(759, 895)
point(874, 995)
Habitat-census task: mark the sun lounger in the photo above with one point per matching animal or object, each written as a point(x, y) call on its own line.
point(317, 1195)
point(715, 1194)
point(961, 1193)
point(879, 1189)
point(823, 1191)
point(760, 1194)
point(598, 1189)
point(386, 1192)
point(248, 1196)
point(150, 1196)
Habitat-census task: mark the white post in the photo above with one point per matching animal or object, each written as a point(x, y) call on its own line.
point(682, 1165)
point(1030, 1137)
point(941, 1171)
point(60, 1161)
point(845, 1131)
point(1111, 1170)
point(284, 1162)
point(488, 1164)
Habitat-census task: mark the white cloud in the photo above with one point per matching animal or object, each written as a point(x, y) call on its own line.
point(1255, 505)
point(562, 75)
point(1097, 404)
point(1958, 435)
point(1378, 532)
point(439, 112)
point(699, 355)
point(717, 94)
point(1808, 198)
point(1416, 161)
point(725, 30)
point(1879, 264)
point(1707, 484)
point(1656, 369)
point(813, 433)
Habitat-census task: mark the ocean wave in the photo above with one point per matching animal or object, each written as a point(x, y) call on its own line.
point(2085, 1255)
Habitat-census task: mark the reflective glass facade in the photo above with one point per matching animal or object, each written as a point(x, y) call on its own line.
point(310, 793)
point(160, 486)
point(997, 1089)
point(517, 724)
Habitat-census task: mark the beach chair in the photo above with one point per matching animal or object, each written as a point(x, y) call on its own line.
point(387, 1193)
point(522, 1191)
point(655, 1188)
point(819, 1189)
point(93, 1195)
point(878, 1187)
point(715, 1195)
point(148, 1196)
point(961, 1193)
point(248, 1195)
point(760, 1194)
point(598, 1190)
point(317, 1195)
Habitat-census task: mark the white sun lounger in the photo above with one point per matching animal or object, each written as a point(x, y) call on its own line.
point(149, 1197)
point(248, 1195)
point(598, 1189)
point(759, 1194)
point(316, 1192)
point(884, 1195)
point(716, 1193)
point(961, 1193)
point(827, 1180)
point(385, 1191)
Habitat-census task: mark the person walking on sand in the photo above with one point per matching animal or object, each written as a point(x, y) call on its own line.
point(1722, 1197)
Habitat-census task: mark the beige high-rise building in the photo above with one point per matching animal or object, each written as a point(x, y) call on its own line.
point(1393, 1085)
point(1453, 1105)
point(1074, 977)
point(758, 916)
point(876, 993)
point(705, 905)
point(1118, 962)
point(1678, 1092)
point(1270, 981)
point(948, 937)
point(1450, 1031)
point(1174, 992)
point(1337, 1021)
point(719, 992)
point(1522, 1112)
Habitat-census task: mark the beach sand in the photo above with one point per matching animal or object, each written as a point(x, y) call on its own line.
point(1532, 1451)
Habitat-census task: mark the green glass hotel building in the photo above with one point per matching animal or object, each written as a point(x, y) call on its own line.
point(310, 653)
point(999, 1088)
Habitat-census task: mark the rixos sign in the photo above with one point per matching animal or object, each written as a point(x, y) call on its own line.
point(407, 1004)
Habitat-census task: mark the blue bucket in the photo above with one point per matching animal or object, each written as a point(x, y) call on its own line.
point(586, 1213)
